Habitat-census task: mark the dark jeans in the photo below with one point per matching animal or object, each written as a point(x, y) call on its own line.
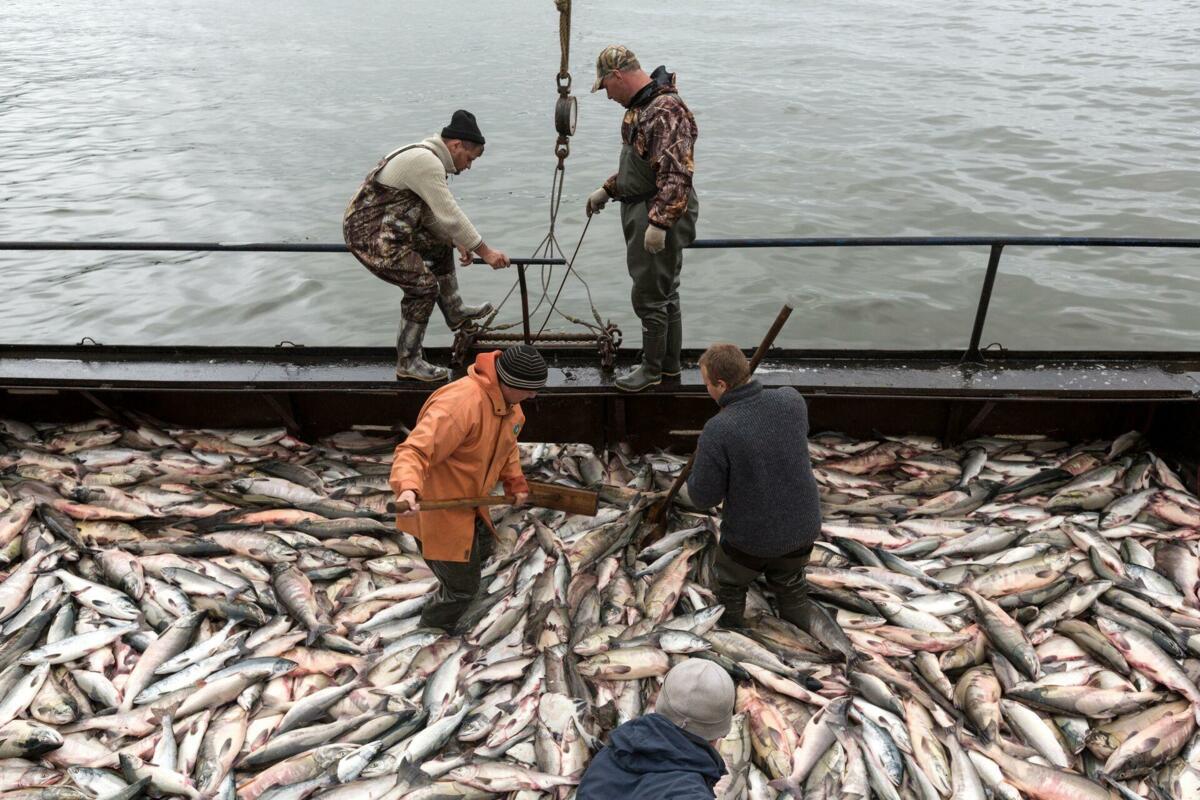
point(736, 570)
point(458, 583)
point(785, 577)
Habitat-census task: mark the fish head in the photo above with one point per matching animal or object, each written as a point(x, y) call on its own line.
point(280, 667)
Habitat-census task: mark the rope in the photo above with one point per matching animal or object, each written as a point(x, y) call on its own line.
point(564, 37)
point(569, 272)
point(549, 245)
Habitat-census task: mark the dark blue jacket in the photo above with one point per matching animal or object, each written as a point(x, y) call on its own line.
point(650, 758)
point(753, 455)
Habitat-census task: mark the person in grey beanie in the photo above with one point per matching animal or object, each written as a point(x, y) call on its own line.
point(669, 753)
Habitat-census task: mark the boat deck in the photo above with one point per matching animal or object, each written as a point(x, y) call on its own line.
point(314, 391)
point(1115, 376)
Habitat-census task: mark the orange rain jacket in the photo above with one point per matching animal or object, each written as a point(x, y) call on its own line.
point(464, 442)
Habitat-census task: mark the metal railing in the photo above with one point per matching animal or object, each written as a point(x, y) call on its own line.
point(996, 245)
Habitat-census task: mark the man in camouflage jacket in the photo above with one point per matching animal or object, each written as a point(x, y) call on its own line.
point(658, 204)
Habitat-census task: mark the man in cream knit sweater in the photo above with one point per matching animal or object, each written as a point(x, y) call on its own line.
point(403, 225)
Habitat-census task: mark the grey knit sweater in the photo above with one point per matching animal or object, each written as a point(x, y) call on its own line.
point(753, 455)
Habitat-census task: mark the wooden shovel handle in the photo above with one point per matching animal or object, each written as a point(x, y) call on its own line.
point(461, 502)
point(541, 495)
point(780, 320)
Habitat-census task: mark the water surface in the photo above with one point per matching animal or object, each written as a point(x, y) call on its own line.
point(231, 121)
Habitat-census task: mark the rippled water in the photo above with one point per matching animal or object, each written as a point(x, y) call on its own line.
point(234, 121)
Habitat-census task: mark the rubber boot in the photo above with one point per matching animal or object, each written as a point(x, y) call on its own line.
point(410, 361)
point(654, 344)
point(671, 365)
point(451, 303)
point(732, 582)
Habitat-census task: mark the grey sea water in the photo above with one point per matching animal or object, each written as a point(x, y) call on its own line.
point(216, 120)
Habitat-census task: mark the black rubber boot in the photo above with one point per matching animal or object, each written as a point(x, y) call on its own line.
point(732, 581)
point(671, 364)
point(654, 343)
point(410, 360)
point(451, 303)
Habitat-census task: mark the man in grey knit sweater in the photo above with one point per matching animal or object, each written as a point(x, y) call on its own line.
point(753, 457)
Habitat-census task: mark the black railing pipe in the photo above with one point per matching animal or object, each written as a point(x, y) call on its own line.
point(996, 243)
point(699, 244)
point(524, 303)
point(227, 247)
point(945, 241)
point(981, 308)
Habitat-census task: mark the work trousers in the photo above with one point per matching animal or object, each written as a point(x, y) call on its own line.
point(655, 293)
point(418, 272)
point(736, 570)
point(390, 231)
point(458, 583)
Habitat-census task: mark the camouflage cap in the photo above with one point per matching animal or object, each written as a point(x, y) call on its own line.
point(612, 59)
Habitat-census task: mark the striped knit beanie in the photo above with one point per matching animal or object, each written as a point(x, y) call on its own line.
point(522, 367)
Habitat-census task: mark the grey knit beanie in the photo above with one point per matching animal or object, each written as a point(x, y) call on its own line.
point(522, 367)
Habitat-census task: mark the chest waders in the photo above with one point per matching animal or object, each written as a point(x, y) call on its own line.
point(655, 276)
point(388, 230)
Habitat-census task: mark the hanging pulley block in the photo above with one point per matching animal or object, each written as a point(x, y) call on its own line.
point(566, 113)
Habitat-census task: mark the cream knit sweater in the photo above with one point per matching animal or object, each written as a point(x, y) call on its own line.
point(425, 172)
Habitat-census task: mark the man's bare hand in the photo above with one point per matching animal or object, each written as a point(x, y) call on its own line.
point(494, 258)
point(521, 499)
point(409, 497)
point(465, 257)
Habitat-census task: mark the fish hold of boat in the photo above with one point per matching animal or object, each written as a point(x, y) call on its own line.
point(250, 628)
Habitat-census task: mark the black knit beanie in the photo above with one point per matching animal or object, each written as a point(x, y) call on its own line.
point(522, 367)
point(462, 126)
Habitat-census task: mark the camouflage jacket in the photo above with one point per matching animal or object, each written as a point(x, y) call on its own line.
point(663, 131)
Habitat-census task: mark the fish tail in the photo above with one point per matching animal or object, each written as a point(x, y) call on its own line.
point(317, 633)
point(787, 785)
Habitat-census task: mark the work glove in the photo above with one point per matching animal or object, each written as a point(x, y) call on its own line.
point(597, 200)
point(656, 239)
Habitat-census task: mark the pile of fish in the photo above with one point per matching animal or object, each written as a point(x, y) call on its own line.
point(231, 613)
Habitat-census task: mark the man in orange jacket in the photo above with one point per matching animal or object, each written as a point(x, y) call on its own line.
point(464, 443)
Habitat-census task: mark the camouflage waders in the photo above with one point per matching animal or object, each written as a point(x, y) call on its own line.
point(655, 276)
point(390, 232)
point(386, 229)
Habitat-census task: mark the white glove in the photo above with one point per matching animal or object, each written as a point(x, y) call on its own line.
point(596, 201)
point(656, 239)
